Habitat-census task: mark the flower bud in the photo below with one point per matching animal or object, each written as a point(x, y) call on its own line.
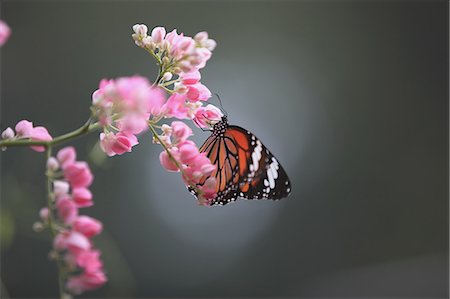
point(38, 227)
point(165, 60)
point(52, 164)
point(140, 29)
point(148, 42)
point(167, 76)
point(201, 36)
point(60, 188)
point(44, 214)
point(210, 44)
point(8, 133)
point(158, 34)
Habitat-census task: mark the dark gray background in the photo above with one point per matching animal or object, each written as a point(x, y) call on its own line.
point(351, 97)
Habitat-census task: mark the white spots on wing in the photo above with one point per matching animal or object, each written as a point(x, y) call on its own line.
point(271, 179)
point(266, 182)
point(288, 189)
point(256, 156)
point(272, 172)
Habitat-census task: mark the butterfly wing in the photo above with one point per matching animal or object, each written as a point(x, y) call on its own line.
point(244, 168)
point(262, 176)
point(222, 151)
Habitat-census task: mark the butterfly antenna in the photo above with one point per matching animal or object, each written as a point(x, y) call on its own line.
point(221, 106)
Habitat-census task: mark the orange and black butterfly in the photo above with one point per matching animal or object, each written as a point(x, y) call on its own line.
point(245, 168)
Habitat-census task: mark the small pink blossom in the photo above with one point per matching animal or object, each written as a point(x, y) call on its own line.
point(158, 34)
point(67, 210)
point(25, 129)
point(207, 191)
point(5, 32)
point(207, 116)
point(180, 131)
point(188, 152)
point(88, 226)
point(52, 164)
point(8, 133)
point(85, 282)
point(82, 197)
point(176, 106)
point(167, 162)
point(73, 241)
point(78, 174)
point(89, 260)
point(66, 155)
point(44, 214)
point(60, 188)
point(40, 134)
point(117, 144)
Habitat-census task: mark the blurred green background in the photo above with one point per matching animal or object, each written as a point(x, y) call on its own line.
point(351, 97)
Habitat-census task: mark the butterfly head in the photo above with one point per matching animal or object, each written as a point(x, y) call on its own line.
point(220, 127)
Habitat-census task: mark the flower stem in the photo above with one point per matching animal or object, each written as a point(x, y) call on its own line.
point(172, 158)
point(51, 223)
point(85, 129)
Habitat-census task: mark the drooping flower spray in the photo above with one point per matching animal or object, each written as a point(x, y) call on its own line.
point(123, 110)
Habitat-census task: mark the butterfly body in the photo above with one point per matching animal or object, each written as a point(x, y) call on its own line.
point(245, 168)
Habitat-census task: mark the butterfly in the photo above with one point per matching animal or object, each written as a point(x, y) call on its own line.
point(245, 168)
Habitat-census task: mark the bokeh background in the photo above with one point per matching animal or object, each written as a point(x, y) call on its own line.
point(351, 97)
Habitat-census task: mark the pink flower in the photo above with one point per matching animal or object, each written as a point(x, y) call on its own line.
point(40, 134)
point(117, 144)
point(52, 164)
point(140, 30)
point(78, 174)
point(158, 34)
point(67, 210)
point(195, 90)
point(44, 213)
point(66, 155)
point(82, 197)
point(8, 133)
point(60, 188)
point(188, 152)
point(176, 106)
point(207, 191)
point(88, 226)
point(156, 100)
point(89, 260)
point(207, 116)
point(180, 131)
point(85, 282)
point(24, 128)
point(167, 162)
point(73, 241)
point(5, 32)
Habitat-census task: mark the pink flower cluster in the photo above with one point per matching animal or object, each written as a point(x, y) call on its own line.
point(71, 192)
point(184, 53)
point(25, 130)
point(184, 156)
point(5, 32)
point(123, 107)
point(180, 55)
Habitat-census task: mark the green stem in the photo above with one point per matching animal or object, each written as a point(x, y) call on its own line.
point(171, 157)
point(85, 129)
point(52, 222)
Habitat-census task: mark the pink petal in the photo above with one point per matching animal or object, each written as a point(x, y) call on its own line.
point(24, 128)
point(88, 226)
